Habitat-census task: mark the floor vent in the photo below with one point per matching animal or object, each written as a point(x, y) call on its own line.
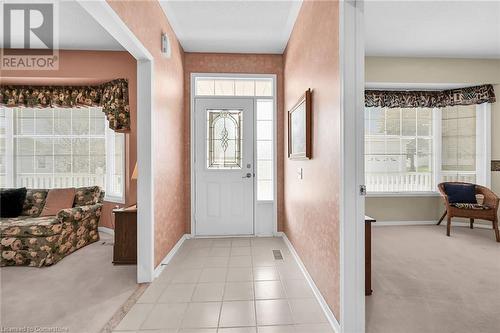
point(277, 255)
point(107, 243)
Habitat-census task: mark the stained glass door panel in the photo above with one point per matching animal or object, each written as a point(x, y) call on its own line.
point(224, 135)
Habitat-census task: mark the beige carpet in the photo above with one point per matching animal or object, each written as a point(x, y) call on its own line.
point(81, 292)
point(426, 282)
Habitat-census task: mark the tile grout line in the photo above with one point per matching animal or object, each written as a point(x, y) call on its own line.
point(253, 288)
point(224, 291)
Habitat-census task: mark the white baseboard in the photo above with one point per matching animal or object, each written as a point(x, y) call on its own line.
point(169, 256)
point(106, 230)
point(220, 236)
point(394, 223)
point(326, 309)
point(453, 224)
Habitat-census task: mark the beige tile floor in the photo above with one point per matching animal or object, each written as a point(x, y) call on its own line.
point(228, 286)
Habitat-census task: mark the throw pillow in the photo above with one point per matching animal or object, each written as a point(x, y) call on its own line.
point(12, 201)
point(57, 199)
point(461, 193)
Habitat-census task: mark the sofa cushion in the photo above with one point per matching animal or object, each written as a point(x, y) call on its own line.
point(460, 193)
point(85, 196)
point(26, 226)
point(12, 201)
point(58, 199)
point(35, 200)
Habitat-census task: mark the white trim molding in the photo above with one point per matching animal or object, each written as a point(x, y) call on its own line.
point(352, 201)
point(483, 144)
point(193, 97)
point(319, 297)
point(400, 223)
point(104, 15)
point(402, 194)
point(422, 223)
point(170, 255)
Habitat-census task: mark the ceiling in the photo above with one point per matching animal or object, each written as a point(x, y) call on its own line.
point(455, 29)
point(235, 26)
point(79, 31)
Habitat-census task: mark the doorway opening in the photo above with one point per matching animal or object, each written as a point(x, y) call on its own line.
point(233, 155)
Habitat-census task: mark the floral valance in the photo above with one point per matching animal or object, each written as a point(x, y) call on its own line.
point(111, 96)
point(430, 99)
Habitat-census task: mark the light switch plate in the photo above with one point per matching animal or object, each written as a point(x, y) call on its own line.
point(300, 173)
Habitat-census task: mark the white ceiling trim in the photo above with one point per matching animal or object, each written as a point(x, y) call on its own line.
point(415, 86)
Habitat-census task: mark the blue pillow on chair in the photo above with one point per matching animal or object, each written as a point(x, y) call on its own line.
point(461, 193)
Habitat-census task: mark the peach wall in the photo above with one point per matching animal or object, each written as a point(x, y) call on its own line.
point(91, 67)
point(240, 64)
point(311, 60)
point(147, 22)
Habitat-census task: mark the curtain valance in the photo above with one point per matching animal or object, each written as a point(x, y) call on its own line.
point(111, 96)
point(430, 99)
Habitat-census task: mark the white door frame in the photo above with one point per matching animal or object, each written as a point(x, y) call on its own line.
point(352, 207)
point(102, 12)
point(192, 151)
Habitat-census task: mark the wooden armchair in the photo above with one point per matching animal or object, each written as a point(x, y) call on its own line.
point(488, 210)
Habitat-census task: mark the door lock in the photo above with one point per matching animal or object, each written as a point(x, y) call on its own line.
point(248, 175)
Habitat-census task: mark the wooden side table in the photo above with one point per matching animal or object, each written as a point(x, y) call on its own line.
point(125, 247)
point(368, 255)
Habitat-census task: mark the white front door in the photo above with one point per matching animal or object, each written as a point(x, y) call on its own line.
point(224, 149)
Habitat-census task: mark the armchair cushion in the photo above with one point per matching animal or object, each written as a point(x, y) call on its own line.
point(475, 206)
point(460, 193)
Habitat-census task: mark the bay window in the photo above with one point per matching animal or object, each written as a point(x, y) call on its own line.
point(61, 147)
point(411, 150)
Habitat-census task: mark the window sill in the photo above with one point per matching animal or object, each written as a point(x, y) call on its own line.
point(112, 199)
point(402, 194)
point(265, 201)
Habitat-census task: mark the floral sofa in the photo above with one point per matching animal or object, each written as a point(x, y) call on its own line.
point(42, 241)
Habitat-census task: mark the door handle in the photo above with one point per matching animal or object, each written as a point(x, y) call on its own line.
point(248, 175)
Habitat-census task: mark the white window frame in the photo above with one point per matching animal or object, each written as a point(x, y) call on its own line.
point(110, 160)
point(110, 157)
point(401, 137)
point(273, 151)
point(483, 144)
point(483, 153)
point(9, 147)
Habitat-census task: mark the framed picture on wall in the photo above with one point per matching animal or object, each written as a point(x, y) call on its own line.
point(299, 128)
